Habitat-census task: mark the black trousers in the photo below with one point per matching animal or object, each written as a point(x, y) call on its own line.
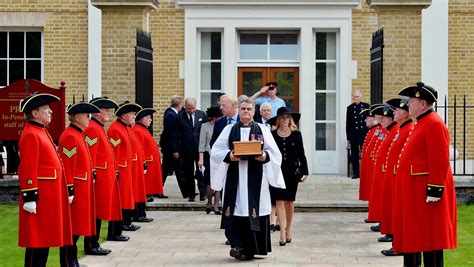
point(252, 242)
point(189, 164)
point(68, 254)
point(91, 242)
point(127, 216)
point(140, 210)
point(115, 229)
point(36, 257)
point(356, 147)
point(433, 258)
point(170, 164)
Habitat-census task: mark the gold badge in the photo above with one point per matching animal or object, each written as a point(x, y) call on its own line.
point(254, 213)
point(69, 153)
point(417, 94)
point(29, 181)
point(227, 212)
point(115, 143)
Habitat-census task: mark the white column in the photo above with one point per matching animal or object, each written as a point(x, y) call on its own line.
point(191, 62)
point(94, 68)
point(229, 73)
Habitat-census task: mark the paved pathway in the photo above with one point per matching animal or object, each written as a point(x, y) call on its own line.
point(192, 238)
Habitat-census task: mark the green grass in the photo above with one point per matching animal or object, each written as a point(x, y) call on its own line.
point(11, 254)
point(463, 255)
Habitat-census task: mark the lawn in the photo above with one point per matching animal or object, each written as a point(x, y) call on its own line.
point(11, 254)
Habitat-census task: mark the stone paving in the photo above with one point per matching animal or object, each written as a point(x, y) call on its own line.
point(192, 238)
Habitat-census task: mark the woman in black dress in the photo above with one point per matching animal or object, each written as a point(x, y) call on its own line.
point(294, 167)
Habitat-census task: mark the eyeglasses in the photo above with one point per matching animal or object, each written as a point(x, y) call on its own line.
point(248, 109)
point(271, 88)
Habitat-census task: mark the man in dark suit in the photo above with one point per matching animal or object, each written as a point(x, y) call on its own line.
point(356, 129)
point(186, 143)
point(169, 162)
point(231, 115)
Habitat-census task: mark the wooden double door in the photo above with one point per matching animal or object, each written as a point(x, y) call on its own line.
point(252, 79)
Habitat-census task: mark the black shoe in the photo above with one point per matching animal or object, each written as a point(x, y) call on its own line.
point(390, 252)
point(385, 238)
point(191, 199)
point(120, 238)
point(217, 212)
point(227, 242)
point(282, 243)
point(355, 177)
point(202, 198)
point(150, 199)
point(277, 227)
point(375, 228)
point(244, 257)
point(235, 252)
point(143, 219)
point(75, 263)
point(98, 251)
point(208, 210)
point(131, 227)
point(288, 240)
point(367, 221)
point(161, 196)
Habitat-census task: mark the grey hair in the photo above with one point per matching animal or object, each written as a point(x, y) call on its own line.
point(175, 101)
point(265, 105)
point(248, 101)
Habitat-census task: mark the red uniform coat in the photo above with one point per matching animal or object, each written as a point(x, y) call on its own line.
point(376, 192)
point(138, 162)
point(78, 171)
point(119, 137)
point(107, 197)
point(365, 169)
point(41, 179)
point(424, 169)
point(389, 176)
point(151, 155)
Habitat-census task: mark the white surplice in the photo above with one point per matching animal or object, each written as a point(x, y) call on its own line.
point(272, 174)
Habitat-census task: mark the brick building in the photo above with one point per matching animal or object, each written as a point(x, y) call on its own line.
point(318, 50)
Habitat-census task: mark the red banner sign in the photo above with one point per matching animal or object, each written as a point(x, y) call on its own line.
point(12, 120)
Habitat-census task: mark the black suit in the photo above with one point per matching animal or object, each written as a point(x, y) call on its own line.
point(186, 142)
point(356, 129)
point(169, 162)
point(219, 125)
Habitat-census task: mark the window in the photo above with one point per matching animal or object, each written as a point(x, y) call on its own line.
point(20, 56)
point(269, 46)
point(326, 90)
point(211, 68)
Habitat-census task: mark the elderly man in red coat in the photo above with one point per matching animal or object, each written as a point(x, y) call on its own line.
point(119, 133)
point(45, 219)
point(151, 152)
point(78, 171)
point(428, 201)
point(107, 197)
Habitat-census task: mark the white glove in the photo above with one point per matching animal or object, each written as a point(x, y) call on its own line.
point(432, 199)
point(30, 206)
point(71, 198)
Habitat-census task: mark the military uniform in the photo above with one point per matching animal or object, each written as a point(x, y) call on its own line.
point(424, 175)
point(119, 136)
point(44, 187)
point(75, 155)
point(356, 130)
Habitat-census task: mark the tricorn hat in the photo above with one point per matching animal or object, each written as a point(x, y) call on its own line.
point(284, 111)
point(214, 112)
point(103, 102)
point(388, 111)
point(143, 113)
point(36, 100)
point(127, 107)
point(81, 107)
point(399, 103)
point(365, 113)
point(376, 109)
point(421, 91)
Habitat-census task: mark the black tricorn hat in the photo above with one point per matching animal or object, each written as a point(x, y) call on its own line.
point(398, 103)
point(365, 113)
point(388, 111)
point(127, 107)
point(81, 107)
point(272, 84)
point(144, 112)
point(36, 100)
point(103, 102)
point(421, 91)
point(376, 109)
point(284, 111)
point(214, 111)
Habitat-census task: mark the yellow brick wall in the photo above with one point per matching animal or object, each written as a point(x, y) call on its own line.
point(167, 27)
point(461, 69)
point(65, 41)
point(402, 47)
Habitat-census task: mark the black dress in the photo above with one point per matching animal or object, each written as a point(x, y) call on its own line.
point(293, 164)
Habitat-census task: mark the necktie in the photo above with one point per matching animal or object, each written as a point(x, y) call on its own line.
point(229, 120)
point(191, 120)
